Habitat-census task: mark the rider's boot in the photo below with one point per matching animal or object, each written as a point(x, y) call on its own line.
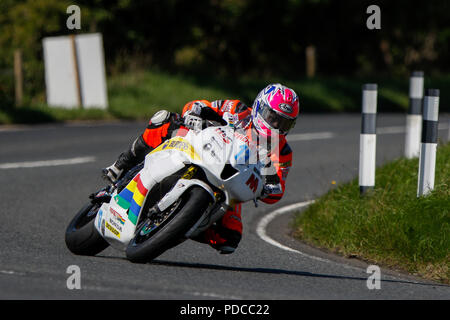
point(225, 235)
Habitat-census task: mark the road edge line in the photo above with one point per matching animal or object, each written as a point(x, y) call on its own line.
point(264, 222)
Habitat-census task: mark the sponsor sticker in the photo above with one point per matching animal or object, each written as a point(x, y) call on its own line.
point(100, 213)
point(112, 229)
point(179, 144)
point(243, 155)
point(285, 107)
point(223, 135)
point(227, 107)
point(252, 183)
point(117, 216)
point(115, 225)
point(241, 137)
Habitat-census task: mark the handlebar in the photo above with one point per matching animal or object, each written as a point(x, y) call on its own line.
point(205, 123)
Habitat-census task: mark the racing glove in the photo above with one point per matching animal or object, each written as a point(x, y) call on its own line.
point(272, 183)
point(193, 122)
point(271, 189)
point(272, 186)
point(230, 118)
point(192, 117)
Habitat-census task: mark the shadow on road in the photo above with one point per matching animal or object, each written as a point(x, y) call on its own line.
point(280, 271)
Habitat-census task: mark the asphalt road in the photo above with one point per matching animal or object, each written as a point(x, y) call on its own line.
point(38, 202)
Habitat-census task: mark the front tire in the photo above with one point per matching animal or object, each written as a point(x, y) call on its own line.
point(82, 238)
point(148, 243)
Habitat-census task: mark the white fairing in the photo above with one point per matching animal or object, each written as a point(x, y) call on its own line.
point(113, 224)
point(221, 145)
point(213, 149)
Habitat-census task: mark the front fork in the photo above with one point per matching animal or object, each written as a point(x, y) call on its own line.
point(211, 215)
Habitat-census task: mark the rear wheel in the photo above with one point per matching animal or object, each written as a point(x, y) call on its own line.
point(82, 238)
point(166, 229)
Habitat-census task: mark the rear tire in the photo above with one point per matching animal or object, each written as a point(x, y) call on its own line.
point(171, 232)
point(82, 238)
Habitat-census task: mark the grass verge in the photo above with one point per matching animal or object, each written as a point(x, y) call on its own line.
point(390, 226)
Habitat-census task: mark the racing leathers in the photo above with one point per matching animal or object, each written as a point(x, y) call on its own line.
point(225, 234)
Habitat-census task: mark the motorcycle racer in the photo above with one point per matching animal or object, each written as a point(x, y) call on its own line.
point(272, 115)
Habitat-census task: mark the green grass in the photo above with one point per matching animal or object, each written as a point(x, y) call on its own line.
point(139, 95)
point(132, 95)
point(390, 226)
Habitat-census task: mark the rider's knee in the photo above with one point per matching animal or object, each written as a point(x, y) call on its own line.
point(160, 118)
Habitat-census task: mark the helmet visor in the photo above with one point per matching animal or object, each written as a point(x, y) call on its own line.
point(276, 120)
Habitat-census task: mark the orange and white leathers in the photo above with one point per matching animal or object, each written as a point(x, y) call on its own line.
point(280, 155)
point(165, 125)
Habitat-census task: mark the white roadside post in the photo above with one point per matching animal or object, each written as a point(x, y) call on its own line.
point(368, 138)
point(414, 116)
point(427, 159)
point(448, 136)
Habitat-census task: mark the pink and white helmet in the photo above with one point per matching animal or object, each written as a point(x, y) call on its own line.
point(275, 110)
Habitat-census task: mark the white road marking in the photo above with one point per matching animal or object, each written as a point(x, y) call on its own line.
point(330, 135)
point(402, 129)
point(215, 295)
point(75, 124)
point(261, 231)
point(6, 272)
point(310, 136)
point(46, 163)
point(10, 272)
point(263, 223)
point(391, 130)
point(12, 128)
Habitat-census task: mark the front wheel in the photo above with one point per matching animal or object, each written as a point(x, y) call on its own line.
point(158, 234)
point(82, 238)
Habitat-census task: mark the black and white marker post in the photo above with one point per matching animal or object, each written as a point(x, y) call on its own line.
point(427, 158)
point(414, 116)
point(368, 138)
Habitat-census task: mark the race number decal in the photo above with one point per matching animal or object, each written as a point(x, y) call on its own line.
point(252, 183)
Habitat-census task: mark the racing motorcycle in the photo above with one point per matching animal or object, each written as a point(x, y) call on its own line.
point(194, 179)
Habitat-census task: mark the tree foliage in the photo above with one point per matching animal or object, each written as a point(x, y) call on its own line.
point(235, 37)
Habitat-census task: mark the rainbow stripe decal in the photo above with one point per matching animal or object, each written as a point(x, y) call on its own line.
point(132, 197)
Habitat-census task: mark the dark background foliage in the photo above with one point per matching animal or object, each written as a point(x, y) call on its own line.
point(232, 38)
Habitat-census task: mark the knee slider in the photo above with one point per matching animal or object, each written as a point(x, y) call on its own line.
point(160, 118)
